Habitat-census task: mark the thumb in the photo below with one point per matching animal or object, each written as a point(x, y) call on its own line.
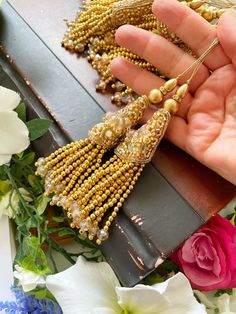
point(227, 35)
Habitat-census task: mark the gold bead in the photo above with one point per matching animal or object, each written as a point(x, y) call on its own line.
point(171, 105)
point(170, 84)
point(195, 4)
point(220, 12)
point(155, 96)
point(208, 15)
point(98, 242)
point(182, 90)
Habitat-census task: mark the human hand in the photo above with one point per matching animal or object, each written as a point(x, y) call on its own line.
point(205, 125)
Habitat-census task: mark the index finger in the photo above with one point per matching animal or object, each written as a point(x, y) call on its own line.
point(194, 30)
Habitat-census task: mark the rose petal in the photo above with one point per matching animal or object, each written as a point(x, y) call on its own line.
point(13, 134)
point(9, 99)
point(85, 287)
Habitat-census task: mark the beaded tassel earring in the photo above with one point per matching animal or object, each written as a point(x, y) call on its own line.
point(87, 186)
point(67, 168)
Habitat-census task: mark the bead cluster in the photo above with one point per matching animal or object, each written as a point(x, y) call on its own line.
point(94, 29)
point(81, 184)
point(140, 145)
point(116, 124)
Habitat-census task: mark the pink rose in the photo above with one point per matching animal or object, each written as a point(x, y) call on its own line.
point(208, 258)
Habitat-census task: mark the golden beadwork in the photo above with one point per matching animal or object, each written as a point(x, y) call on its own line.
point(87, 182)
point(140, 145)
point(93, 31)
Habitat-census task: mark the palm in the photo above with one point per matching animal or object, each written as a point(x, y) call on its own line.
point(205, 125)
point(211, 121)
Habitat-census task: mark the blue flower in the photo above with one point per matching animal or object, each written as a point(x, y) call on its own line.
point(28, 304)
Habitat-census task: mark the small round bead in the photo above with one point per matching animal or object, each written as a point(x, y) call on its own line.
point(171, 105)
point(155, 96)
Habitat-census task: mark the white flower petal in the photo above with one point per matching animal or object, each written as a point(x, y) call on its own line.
point(4, 159)
point(174, 296)
point(9, 99)
point(4, 205)
point(13, 134)
point(103, 310)
point(224, 304)
point(85, 287)
point(203, 298)
point(29, 280)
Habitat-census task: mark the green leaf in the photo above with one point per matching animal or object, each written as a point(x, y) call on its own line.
point(3, 175)
point(42, 293)
point(38, 127)
point(34, 258)
point(5, 187)
point(66, 232)
point(21, 111)
point(58, 219)
point(28, 159)
point(232, 220)
point(42, 203)
point(31, 223)
point(169, 265)
point(39, 293)
point(16, 171)
point(223, 291)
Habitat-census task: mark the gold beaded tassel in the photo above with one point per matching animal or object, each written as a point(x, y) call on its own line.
point(110, 185)
point(67, 168)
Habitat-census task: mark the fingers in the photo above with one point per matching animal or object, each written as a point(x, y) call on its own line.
point(196, 32)
point(164, 55)
point(227, 35)
point(177, 132)
point(142, 81)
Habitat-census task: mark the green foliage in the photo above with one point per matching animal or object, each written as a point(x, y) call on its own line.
point(42, 204)
point(4, 187)
point(162, 273)
point(3, 175)
point(21, 111)
point(232, 217)
point(42, 293)
point(33, 229)
point(220, 292)
point(37, 127)
point(35, 260)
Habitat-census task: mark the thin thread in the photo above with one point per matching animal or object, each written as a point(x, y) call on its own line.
point(196, 64)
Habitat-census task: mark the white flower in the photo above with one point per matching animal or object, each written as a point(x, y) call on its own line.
point(224, 304)
point(13, 132)
point(5, 208)
point(29, 280)
point(93, 288)
point(85, 287)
